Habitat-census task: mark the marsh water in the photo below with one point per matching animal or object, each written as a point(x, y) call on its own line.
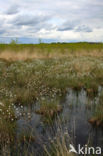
point(78, 108)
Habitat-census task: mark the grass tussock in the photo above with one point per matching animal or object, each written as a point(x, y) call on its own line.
point(49, 108)
point(97, 119)
point(29, 73)
point(7, 123)
point(27, 81)
point(59, 146)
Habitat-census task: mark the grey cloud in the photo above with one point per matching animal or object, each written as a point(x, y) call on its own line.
point(74, 26)
point(14, 9)
point(29, 20)
point(33, 15)
point(2, 31)
point(83, 28)
point(68, 25)
point(65, 28)
point(29, 24)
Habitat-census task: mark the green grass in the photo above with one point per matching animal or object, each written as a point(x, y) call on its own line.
point(49, 109)
point(43, 50)
point(48, 74)
point(97, 118)
point(62, 46)
point(59, 145)
point(7, 123)
point(27, 81)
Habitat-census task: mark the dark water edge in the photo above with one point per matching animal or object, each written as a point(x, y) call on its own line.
point(78, 108)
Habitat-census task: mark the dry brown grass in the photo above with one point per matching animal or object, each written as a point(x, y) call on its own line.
point(9, 55)
point(26, 54)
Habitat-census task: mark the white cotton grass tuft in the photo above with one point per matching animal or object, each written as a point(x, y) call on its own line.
point(1, 104)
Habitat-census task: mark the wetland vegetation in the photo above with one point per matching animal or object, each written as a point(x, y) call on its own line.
point(40, 76)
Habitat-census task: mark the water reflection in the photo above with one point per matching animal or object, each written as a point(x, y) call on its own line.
point(77, 110)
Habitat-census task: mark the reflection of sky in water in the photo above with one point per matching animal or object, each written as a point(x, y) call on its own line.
point(77, 109)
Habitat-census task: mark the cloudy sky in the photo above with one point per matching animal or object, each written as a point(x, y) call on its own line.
point(51, 20)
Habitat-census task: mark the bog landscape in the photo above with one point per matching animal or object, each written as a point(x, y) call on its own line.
point(51, 96)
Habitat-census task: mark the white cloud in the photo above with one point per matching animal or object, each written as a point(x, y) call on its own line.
point(80, 20)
